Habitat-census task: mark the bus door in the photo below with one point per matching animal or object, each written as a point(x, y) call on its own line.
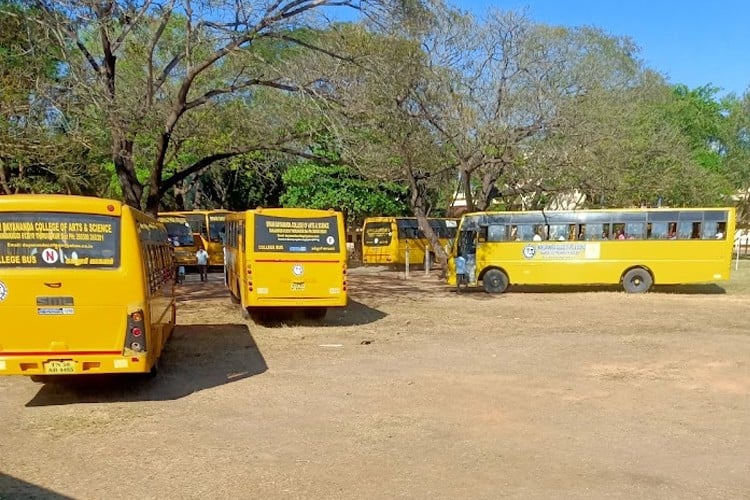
point(467, 250)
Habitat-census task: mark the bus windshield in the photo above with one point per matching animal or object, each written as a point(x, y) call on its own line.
point(284, 234)
point(55, 240)
point(179, 230)
point(216, 224)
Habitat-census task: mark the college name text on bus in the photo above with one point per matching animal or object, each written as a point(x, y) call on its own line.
point(393, 240)
point(287, 258)
point(86, 287)
point(634, 248)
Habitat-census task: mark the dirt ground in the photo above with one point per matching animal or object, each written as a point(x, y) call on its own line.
point(410, 392)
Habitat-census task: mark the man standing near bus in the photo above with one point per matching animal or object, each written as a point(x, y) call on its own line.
point(202, 260)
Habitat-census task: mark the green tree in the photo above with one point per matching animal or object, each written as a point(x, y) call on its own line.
point(152, 69)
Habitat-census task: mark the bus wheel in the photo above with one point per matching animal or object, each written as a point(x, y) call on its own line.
point(40, 379)
point(246, 313)
point(637, 280)
point(154, 371)
point(495, 281)
point(235, 299)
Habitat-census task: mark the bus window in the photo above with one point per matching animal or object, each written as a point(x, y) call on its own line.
point(560, 232)
point(658, 231)
point(685, 230)
point(635, 230)
point(496, 232)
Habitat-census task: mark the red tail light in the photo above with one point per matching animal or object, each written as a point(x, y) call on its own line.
point(135, 339)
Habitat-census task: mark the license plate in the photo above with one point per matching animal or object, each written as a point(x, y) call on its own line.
point(298, 286)
point(60, 367)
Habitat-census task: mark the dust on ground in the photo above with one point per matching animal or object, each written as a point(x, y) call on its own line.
point(412, 391)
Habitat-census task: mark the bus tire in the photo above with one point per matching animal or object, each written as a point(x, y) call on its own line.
point(235, 299)
point(637, 280)
point(39, 379)
point(495, 281)
point(246, 313)
point(154, 371)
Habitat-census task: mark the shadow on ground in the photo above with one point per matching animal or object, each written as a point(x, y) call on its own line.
point(11, 487)
point(197, 357)
point(355, 313)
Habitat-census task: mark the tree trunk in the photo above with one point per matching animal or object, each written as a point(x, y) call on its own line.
point(180, 194)
point(419, 207)
point(4, 176)
point(122, 156)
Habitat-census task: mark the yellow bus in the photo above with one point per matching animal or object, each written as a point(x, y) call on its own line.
point(209, 225)
point(388, 240)
point(86, 287)
point(634, 248)
point(287, 258)
point(181, 236)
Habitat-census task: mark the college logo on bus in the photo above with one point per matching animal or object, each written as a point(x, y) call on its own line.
point(3, 291)
point(529, 251)
point(297, 270)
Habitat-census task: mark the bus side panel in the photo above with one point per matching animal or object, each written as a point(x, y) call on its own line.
point(705, 261)
point(156, 288)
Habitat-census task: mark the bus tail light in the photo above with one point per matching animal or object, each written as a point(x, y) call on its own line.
point(249, 278)
point(134, 338)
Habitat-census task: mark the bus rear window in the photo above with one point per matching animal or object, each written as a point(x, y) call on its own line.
point(378, 234)
point(58, 240)
point(308, 235)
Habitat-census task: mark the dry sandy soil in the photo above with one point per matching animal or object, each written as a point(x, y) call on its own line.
point(411, 392)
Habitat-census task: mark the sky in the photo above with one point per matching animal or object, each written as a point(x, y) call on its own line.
point(689, 42)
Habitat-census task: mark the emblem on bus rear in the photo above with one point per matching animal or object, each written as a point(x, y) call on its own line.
point(3, 291)
point(297, 270)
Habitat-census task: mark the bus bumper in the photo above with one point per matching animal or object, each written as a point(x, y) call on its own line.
point(71, 364)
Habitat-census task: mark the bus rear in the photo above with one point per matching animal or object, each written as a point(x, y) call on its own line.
point(72, 288)
point(295, 258)
point(380, 241)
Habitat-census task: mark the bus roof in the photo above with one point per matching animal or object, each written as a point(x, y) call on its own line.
point(60, 203)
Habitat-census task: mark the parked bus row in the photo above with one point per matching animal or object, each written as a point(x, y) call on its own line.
point(87, 284)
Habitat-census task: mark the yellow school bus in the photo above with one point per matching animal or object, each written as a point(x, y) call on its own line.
point(389, 240)
point(181, 237)
point(209, 226)
point(86, 287)
point(635, 248)
point(287, 258)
